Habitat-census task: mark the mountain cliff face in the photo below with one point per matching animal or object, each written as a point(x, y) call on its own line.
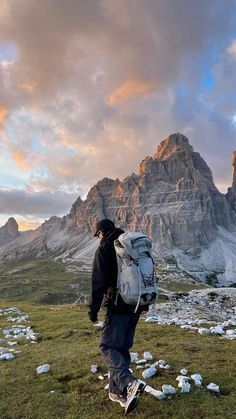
point(173, 199)
point(9, 231)
point(231, 194)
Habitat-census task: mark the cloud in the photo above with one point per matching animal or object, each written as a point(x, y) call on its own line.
point(29, 87)
point(129, 89)
point(81, 90)
point(232, 49)
point(37, 204)
point(20, 159)
point(28, 224)
point(3, 114)
point(105, 36)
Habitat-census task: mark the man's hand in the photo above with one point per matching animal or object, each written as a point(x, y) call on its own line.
point(93, 315)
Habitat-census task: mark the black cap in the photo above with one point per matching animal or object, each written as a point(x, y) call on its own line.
point(104, 226)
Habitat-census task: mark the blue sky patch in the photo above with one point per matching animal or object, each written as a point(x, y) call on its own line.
point(208, 81)
point(8, 51)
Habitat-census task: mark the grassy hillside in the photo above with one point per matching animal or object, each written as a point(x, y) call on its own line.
point(41, 281)
point(54, 282)
point(69, 343)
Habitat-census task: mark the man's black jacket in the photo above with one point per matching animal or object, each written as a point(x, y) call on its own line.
point(104, 277)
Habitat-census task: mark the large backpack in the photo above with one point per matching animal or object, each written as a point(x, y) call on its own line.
point(136, 281)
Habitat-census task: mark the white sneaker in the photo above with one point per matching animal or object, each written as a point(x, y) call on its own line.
point(134, 390)
point(119, 399)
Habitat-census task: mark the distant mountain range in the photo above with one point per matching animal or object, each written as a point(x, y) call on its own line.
point(173, 199)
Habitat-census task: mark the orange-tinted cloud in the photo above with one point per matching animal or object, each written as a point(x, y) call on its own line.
point(130, 89)
point(20, 159)
point(29, 87)
point(3, 114)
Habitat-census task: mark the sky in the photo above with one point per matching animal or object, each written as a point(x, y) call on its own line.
point(90, 88)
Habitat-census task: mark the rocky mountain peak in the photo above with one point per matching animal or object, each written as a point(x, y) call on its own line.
point(174, 143)
point(9, 231)
point(231, 194)
point(176, 160)
point(75, 206)
point(173, 199)
point(234, 170)
point(11, 225)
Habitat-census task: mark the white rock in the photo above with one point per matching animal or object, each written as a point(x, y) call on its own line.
point(100, 377)
point(202, 321)
point(217, 330)
point(156, 393)
point(198, 383)
point(188, 327)
point(141, 361)
point(98, 325)
point(229, 337)
point(151, 319)
point(12, 343)
point(139, 367)
point(181, 378)
point(94, 368)
point(106, 387)
point(43, 368)
point(148, 356)
point(184, 371)
point(185, 387)
point(203, 331)
point(19, 335)
point(167, 366)
point(6, 357)
point(193, 323)
point(231, 332)
point(196, 377)
point(213, 387)
point(149, 372)
point(181, 322)
point(168, 389)
point(134, 356)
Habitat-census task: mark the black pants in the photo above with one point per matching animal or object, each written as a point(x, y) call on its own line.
point(116, 340)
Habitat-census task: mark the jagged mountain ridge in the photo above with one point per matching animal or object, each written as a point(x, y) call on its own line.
point(231, 194)
point(173, 199)
point(9, 232)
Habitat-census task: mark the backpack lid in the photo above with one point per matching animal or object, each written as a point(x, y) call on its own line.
point(128, 239)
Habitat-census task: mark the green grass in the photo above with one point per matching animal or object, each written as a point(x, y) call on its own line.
point(41, 281)
point(48, 282)
point(69, 343)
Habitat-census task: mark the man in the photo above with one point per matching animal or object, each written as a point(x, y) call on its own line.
point(120, 321)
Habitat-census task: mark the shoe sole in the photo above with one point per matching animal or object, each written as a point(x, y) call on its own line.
point(134, 401)
point(117, 401)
